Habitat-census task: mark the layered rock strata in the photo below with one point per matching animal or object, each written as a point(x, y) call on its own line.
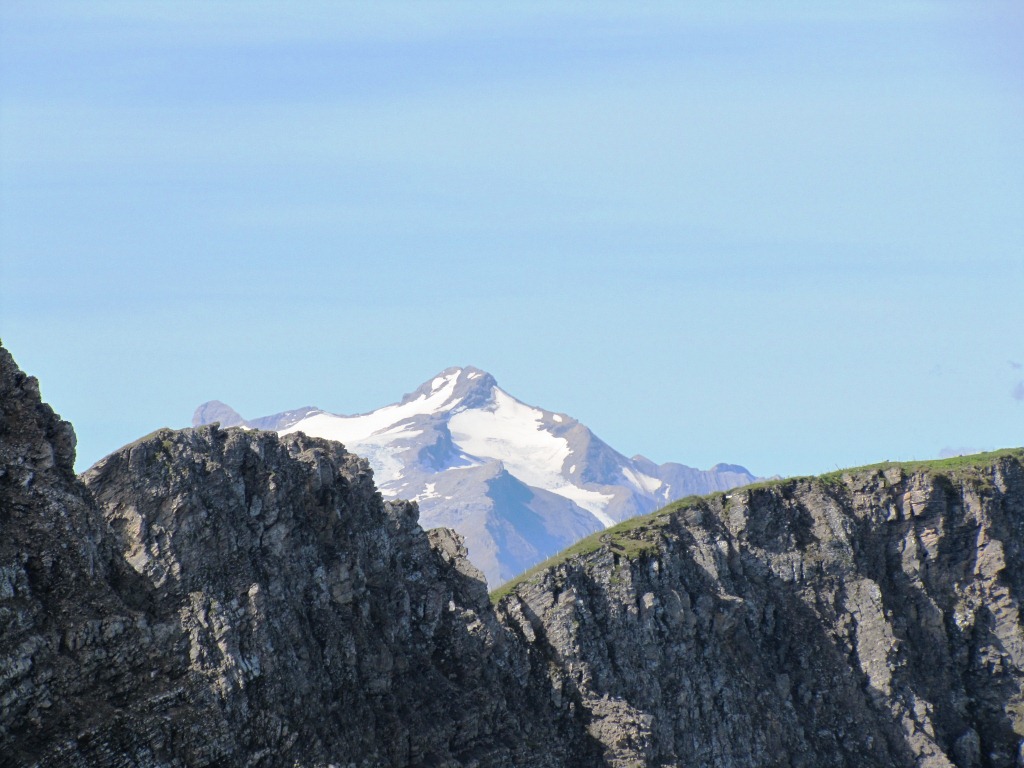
point(870, 619)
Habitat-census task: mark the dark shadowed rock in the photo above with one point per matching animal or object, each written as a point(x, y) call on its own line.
point(247, 600)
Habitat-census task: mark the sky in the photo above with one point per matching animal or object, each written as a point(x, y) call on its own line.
point(786, 235)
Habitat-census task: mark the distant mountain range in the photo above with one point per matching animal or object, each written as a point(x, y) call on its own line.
point(519, 483)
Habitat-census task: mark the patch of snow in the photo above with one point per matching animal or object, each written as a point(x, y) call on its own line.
point(572, 469)
point(641, 481)
point(384, 461)
point(556, 417)
point(512, 432)
point(594, 502)
point(351, 430)
point(397, 431)
point(383, 451)
point(473, 375)
point(428, 493)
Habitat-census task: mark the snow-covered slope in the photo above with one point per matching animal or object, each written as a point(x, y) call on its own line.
point(519, 482)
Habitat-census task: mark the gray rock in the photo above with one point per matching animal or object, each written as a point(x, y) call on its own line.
point(228, 597)
point(867, 620)
point(216, 412)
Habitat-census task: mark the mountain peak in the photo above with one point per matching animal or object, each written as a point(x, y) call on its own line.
point(471, 386)
point(216, 411)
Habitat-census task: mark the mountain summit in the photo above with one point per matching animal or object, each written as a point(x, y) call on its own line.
point(519, 482)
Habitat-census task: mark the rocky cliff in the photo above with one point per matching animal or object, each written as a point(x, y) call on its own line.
point(232, 597)
point(866, 619)
point(211, 597)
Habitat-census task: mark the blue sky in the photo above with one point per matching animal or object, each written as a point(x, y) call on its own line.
point(787, 235)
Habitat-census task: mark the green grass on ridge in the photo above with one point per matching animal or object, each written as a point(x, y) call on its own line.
point(970, 461)
point(628, 537)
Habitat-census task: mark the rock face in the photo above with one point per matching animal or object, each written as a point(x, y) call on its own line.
point(243, 599)
point(236, 598)
point(867, 620)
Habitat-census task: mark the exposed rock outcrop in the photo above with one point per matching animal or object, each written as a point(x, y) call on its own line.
point(248, 600)
point(230, 597)
point(871, 619)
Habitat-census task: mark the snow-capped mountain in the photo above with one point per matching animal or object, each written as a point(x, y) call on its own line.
point(519, 483)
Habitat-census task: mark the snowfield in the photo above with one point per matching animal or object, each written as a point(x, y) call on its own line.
point(356, 429)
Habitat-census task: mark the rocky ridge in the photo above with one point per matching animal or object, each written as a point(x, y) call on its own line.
point(870, 618)
point(230, 597)
point(211, 597)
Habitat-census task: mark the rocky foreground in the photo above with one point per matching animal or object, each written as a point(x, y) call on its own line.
point(227, 597)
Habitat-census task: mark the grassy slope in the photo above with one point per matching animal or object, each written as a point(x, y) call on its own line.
point(627, 537)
